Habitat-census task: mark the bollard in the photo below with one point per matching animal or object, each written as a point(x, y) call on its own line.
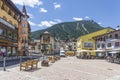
point(4, 63)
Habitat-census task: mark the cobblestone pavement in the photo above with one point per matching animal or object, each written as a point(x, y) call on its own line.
point(69, 68)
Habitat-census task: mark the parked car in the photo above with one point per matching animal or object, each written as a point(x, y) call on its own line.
point(62, 53)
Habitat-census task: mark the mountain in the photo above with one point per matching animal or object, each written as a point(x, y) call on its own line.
point(69, 30)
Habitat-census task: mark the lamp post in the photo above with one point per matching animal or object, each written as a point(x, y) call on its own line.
point(4, 61)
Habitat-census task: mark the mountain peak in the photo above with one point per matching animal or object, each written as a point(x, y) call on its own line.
point(69, 30)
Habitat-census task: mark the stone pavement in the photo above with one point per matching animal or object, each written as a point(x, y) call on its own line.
point(69, 68)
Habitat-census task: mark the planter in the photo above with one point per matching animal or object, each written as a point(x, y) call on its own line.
point(45, 63)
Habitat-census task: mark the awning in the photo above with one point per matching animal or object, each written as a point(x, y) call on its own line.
point(114, 52)
point(84, 51)
point(99, 50)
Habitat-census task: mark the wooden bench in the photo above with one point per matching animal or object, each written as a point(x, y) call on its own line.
point(29, 64)
point(35, 63)
point(50, 59)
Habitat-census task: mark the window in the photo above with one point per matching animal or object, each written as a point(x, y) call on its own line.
point(15, 16)
point(1, 3)
point(116, 36)
point(1, 31)
point(74, 47)
point(39, 47)
point(24, 18)
point(24, 32)
point(15, 36)
point(88, 45)
point(109, 45)
point(117, 44)
point(4, 18)
point(98, 46)
point(9, 51)
point(106, 37)
point(15, 25)
point(9, 12)
point(9, 34)
point(110, 36)
point(10, 21)
point(103, 45)
point(12, 14)
point(24, 25)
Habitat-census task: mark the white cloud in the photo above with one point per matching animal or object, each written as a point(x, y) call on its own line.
point(45, 23)
point(87, 17)
point(32, 23)
point(43, 10)
point(30, 15)
point(99, 23)
point(31, 3)
point(49, 23)
point(77, 18)
point(58, 20)
point(56, 5)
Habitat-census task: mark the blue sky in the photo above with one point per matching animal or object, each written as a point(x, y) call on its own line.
point(45, 13)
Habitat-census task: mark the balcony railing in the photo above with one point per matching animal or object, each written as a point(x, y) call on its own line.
point(6, 38)
point(7, 23)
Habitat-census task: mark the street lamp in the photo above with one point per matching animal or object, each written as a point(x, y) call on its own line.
point(4, 60)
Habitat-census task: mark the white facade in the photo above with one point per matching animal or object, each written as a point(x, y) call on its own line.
point(35, 47)
point(109, 42)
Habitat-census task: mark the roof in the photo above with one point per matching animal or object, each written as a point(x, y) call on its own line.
point(13, 6)
point(24, 11)
point(98, 31)
point(107, 33)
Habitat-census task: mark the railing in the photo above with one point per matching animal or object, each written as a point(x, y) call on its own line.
point(6, 38)
point(7, 23)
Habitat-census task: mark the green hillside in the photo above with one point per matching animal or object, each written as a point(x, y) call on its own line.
point(70, 29)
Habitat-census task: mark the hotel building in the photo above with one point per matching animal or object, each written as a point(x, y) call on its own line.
point(10, 21)
point(109, 43)
point(86, 44)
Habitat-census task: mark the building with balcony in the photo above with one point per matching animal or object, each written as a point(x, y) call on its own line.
point(109, 42)
point(86, 44)
point(10, 24)
point(47, 42)
point(35, 47)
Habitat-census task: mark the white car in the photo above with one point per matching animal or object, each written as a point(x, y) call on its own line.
point(62, 53)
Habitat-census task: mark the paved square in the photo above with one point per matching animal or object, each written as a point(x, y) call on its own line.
point(69, 68)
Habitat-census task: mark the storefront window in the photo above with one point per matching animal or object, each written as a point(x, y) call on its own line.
point(14, 51)
point(15, 36)
point(3, 49)
point(9, 34)
point(9, 51)
point(1, 31)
